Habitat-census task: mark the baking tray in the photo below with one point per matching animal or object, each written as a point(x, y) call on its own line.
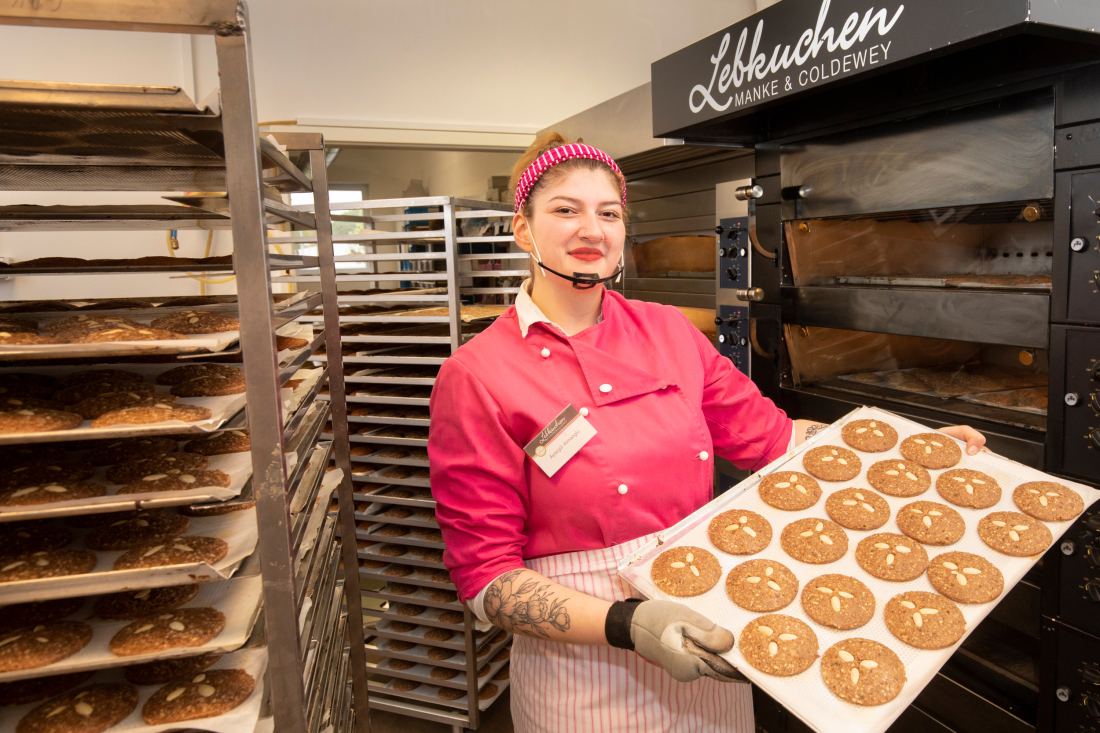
point(806, 695)
point(242, 717)
point(276, 262)
point(371, 553)
point(375, 516)
point(237, 528)
point(380, 496)
point(221, 408)
point(376, 436)
point(938, 282)
point(239, 600)
point(409, 539)
point(886, 385)
point(379, 477)
point(411, 579)
point(983, 399)
point(376, 457)
point(237, 465)
point(430, 693)
point(419, 653)
point(422, 673)
point(393, 375)
point(430, 617)
point(457, 642)
point(412, 422)
point(419, 597)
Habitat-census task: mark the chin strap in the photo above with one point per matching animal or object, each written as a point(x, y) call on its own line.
point(580, 280)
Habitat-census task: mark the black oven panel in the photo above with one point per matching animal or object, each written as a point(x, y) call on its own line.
point(1079, 590)
point(733, 274)
point(1080, 398)
point(1077, 683)
point(1084, 249)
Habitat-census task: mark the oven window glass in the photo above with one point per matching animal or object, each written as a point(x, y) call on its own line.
point(1005, 245)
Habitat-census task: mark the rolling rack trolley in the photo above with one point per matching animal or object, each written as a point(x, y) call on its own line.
point(393, 340)
point(154, 139)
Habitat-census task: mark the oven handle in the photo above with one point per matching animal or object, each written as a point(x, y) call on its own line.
point(752, 233)
point(756, 344)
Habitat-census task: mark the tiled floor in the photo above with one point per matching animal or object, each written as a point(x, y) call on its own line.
point(497, 719)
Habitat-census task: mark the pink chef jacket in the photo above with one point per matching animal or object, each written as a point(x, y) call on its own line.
point(673, 401)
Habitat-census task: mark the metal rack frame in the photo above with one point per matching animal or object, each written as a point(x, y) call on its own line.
point(379, 352)
point(299, 702)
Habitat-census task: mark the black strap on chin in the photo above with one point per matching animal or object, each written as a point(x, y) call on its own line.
point(584, 280)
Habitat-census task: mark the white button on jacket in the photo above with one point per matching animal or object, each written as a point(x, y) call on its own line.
point(605, 388)
point(623, 489)
point(703, 455)
point(545, 353)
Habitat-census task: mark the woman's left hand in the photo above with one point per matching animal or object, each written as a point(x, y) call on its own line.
point(975, 441)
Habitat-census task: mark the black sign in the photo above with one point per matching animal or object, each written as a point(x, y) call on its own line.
point(798, 45)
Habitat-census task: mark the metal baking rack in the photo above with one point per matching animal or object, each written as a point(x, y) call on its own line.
point(91, 137)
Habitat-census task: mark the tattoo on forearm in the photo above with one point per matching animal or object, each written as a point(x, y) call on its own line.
point(814, 430)
point(529, 609)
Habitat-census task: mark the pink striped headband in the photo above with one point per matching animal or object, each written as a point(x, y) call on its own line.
point(560, 154)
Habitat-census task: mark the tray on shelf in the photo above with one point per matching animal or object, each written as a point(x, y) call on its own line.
point(376, 514)
point(239, 600)
point(384, 495)
point(457, 661)
point(430, 693)
point(411, 579)
point(456, 641)
point(422, 673)
point(421, 597)
point(433, 617)
point(373, 553)
point(394, 457)
point(380, 476)
point(413, 540)
point(388, 435)
point(237, 529)
point(277, 262)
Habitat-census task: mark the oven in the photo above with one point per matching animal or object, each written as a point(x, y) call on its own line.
point(924, 237)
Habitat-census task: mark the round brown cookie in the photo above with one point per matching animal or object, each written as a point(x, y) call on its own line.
point(398, 571)
point(740, 532)
point(503, 674)
point(1012, 533)
point(451, 617)
point(931, 450)
point(442, 673)
point(215, 510)
point(409, 609)
point(212, 386)
point(400, 646)
point(12, 324)
point(21, 540)
point(130, 448)
point(127, 334)
point(397, 512)
point(443, 596)
point(18, 338)
point(184, 627)
point(405, 685)
point(967, 488)
point(838, 601)
point(870, 436)
point(924, 620)
point(46, 564)
point(400, 589)
point(186, 373)
point(438, 634)
point(176, 480)
point(889, 556)
point(488, 692)
point(28, 403)
point(832, 463)
point(138, 468)
point(392, 551)
point(813, 540)
point(37, 612)
point(965, 578)
point(86, 390)
point(25, 455)
point(24, 692)
point(857, 509)
point(51, 472)
point(400, 664)
point(502, 655)
point(283, 343)
point(1048, 501)
point(372, 564)
point(147, 526)
point(207, 694)
point(114, 304)
point(83, 323)
point(134, 604)
point(89, 709)
point(789, 491)
point(761, 585)
point(51, 493)
point(931, 523)
point(197, 322)
point(686, 571)
point(450, 693)
point(899, 478)
point(180, 551)
point(439, 653)
point(862, 672)
point(36, 646)
point(154, 414)
point(778, 645)
point(231, 441)
point(37, 421)
point(160, 671)
point(94, 407)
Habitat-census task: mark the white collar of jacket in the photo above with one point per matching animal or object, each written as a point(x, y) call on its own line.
point(528, 314)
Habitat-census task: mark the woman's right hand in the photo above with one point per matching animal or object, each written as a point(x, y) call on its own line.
point(682, 641)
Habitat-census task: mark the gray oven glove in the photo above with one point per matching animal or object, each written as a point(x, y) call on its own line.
point(685, 643)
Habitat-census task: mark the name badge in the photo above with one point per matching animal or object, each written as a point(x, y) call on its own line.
point(560, 440)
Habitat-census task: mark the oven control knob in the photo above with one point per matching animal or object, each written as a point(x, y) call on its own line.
point(1077, 244)
point(721, 338)
point(749, 294)
point(733, 273)
point(1071, 398)
point(721, 251)
point(1068, 548)
point(1093, 555)
point(1093, 589)
point(1091, 674)
point(1092, 706)
point(1063, 693)
point(1092, 521)
point(1095, 436)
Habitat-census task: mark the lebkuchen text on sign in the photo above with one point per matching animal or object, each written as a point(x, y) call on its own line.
point(799, 45)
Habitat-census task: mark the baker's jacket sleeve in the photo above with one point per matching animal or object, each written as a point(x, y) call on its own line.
point(747, 428)
point(478, 481)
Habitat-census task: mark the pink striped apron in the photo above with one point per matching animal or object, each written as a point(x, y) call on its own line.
point(569, 687)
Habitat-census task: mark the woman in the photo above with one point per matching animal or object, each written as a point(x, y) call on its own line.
point(562, 438)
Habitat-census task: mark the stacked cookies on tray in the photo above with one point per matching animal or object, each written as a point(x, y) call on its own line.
point(892, 545)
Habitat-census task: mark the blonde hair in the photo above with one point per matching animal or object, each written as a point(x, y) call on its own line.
point(549, 141)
